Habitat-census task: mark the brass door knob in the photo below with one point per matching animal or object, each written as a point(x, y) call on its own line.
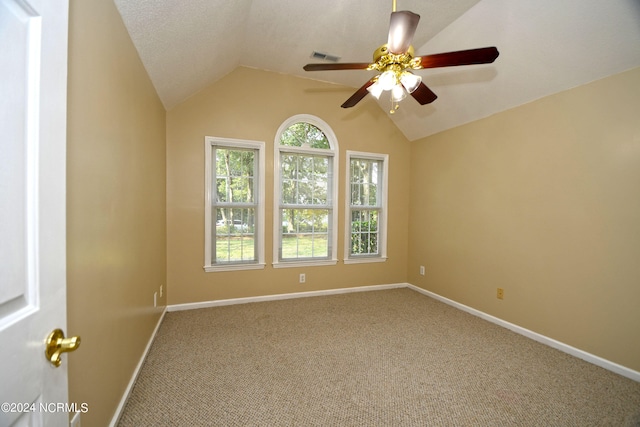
point(58, 344)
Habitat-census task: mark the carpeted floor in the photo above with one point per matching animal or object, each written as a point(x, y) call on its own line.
point(380, 358)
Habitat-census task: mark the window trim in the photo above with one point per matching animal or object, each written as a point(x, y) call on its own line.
point(259, 229)
point(277, 225)
point(382, 216)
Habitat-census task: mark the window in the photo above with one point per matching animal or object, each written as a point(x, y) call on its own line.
point(234, 211)
point(366, 205)
point(306, 156)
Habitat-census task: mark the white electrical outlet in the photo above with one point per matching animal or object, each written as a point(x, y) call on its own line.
point(303, 278)
point(422, 270)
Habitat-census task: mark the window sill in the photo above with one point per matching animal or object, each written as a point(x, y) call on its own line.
point(316, 263)
point(364, 260)
point(233, 267)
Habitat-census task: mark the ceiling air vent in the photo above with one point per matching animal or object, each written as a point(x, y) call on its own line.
point(325, 57)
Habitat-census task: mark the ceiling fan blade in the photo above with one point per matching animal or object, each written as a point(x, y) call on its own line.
point(358, 95)
point(484, 55)
point(338, 66)
point(402, 28)
point(424, 95)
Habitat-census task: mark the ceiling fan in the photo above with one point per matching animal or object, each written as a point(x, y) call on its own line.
point(395, 59)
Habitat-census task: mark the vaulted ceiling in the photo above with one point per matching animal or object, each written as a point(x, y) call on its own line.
point(546, 46)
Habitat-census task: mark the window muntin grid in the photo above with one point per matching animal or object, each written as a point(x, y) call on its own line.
point(366, 206)
point(305, 213)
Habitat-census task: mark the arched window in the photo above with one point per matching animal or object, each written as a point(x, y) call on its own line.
point(305, 216)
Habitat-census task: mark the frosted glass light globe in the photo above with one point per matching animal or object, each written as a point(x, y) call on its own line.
point(398, 93)
point(410, 81)
point(387, 80)
point(375, 90)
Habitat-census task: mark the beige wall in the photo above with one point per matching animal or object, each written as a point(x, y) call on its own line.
point(252, 104)
point(543, 201)
point(540, 200)
point(115, 209)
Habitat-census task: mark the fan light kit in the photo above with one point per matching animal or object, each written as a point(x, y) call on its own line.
point(395, 60)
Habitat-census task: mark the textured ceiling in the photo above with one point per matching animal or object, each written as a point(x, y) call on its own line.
point(545, 47)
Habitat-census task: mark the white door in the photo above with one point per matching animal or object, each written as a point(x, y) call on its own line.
point(33, 84)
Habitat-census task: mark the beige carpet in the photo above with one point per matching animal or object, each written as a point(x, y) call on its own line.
point(382, 358)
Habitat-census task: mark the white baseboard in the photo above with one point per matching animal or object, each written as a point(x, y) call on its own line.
point(136, 372)
point(233, 301)
point(598, 361)
point(580, 354)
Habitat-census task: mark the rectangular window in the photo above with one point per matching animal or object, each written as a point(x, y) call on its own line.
point(366, 207)
point(234, 214)
point(305, 206)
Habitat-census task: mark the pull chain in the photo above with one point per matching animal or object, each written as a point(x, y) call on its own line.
point(394, 106)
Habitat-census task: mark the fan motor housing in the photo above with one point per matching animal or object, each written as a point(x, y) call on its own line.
point(384, 50)
point(383, 59)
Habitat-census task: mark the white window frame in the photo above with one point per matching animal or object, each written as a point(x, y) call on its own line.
point(277, 224)
point(382, 215)
point(259, 229)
